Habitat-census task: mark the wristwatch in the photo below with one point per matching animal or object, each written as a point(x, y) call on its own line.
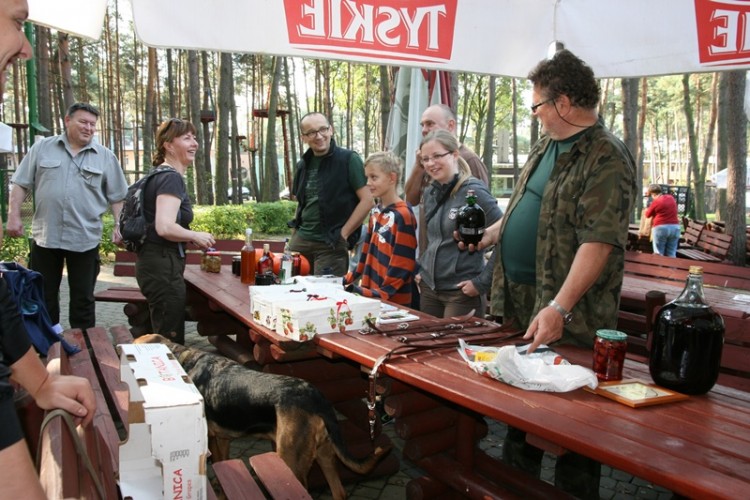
point(566, 315)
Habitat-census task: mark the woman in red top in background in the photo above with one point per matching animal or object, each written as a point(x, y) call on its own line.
point(665, 231)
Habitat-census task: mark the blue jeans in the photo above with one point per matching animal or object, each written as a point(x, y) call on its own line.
point(665, 239)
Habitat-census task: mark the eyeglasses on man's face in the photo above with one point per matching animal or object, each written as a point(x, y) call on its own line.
point(534, 107)
point(427, 159)
point(322, 131)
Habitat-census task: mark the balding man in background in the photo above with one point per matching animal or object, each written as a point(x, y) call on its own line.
point(440, 117)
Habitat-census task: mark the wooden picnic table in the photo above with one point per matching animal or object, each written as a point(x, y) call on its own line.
point(698, 448)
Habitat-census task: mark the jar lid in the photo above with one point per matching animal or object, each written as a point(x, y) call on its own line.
point(612, 335)
point(213, 252)
point(236, 257)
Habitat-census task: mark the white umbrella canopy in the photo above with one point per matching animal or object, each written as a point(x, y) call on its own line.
point(83, 18)
point(502, 37)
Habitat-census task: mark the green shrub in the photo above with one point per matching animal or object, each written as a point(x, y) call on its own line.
point(230, 221)
point(224, 222)
point(272, 218)
point(15, 249)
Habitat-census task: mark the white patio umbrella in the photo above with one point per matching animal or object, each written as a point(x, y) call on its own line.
point(502, 37)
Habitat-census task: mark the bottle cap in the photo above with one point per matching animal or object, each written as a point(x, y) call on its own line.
point(695, 270)
point(266, 247)
point(613, 335)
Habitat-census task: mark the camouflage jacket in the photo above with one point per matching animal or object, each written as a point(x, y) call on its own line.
point(588, 198)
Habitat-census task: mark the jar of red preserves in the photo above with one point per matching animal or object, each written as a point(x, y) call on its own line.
point(609, 354)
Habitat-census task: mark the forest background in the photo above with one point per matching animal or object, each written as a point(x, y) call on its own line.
point(681, 129)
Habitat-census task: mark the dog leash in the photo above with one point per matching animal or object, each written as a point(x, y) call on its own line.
point(486, 337)
point(67, 418)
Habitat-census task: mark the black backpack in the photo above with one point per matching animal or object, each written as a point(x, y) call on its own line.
point(133, 224)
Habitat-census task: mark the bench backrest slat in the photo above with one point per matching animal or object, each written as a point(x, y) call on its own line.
point(716, 244)
point(125, 261)
point(693, 232)
point(653, 266)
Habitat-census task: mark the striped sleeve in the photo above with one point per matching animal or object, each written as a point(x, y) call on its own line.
point(390, 264)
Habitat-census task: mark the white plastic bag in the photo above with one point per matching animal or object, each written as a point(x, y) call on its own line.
point(542, 370)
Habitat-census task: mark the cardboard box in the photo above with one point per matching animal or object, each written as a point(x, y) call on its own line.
point(167, 446)
point(341, 311)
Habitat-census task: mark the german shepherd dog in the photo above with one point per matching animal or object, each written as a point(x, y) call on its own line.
point(287, 410)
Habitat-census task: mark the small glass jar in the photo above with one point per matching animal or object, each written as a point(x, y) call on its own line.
point(213, 262)
point(236, 264)
point(609, 354)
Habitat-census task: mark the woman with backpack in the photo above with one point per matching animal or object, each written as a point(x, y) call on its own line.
point(168, 212)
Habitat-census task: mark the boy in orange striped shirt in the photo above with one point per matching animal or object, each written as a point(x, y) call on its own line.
point(388, 261)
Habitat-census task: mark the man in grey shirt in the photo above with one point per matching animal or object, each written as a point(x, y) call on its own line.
point(74, 180)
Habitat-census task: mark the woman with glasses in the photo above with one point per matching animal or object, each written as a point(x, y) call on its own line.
point(167, 208)
point(451, 282)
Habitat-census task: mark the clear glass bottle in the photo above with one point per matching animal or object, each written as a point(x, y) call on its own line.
point(265, 263)
point(687, 341)
point(247, 259)
point(470, 220)
point(285, 271)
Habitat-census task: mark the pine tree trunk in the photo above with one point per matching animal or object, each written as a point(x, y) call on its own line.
point(208, 106)
point(149, 116)
point(385, 103)
point(224, 111)
point(44, 101)
point(63, 57)
point(202, 187)
point(489, 131)
point(270, 186)
point(630, 135)
point(699, 178)
point(737, 172)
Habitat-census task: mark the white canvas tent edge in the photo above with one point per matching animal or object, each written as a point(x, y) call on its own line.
point(500, 37)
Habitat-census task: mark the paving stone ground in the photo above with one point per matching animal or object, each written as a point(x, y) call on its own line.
point(615, 484)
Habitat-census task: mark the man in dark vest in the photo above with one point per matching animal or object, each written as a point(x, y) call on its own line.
point(333, 198)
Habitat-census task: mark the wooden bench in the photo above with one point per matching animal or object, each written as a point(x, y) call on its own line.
point(63, 473)
point(637, 312)
point(675, 270)
point(135, 307)
point(711, 247)
point(692, 233)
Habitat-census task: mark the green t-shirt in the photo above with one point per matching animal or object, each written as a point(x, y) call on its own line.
point(310, 228)
point(518, 246)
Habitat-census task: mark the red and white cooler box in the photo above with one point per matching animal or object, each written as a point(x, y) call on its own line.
point(301, 312)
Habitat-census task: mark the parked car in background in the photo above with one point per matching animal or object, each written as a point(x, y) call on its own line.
point(245, 193)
